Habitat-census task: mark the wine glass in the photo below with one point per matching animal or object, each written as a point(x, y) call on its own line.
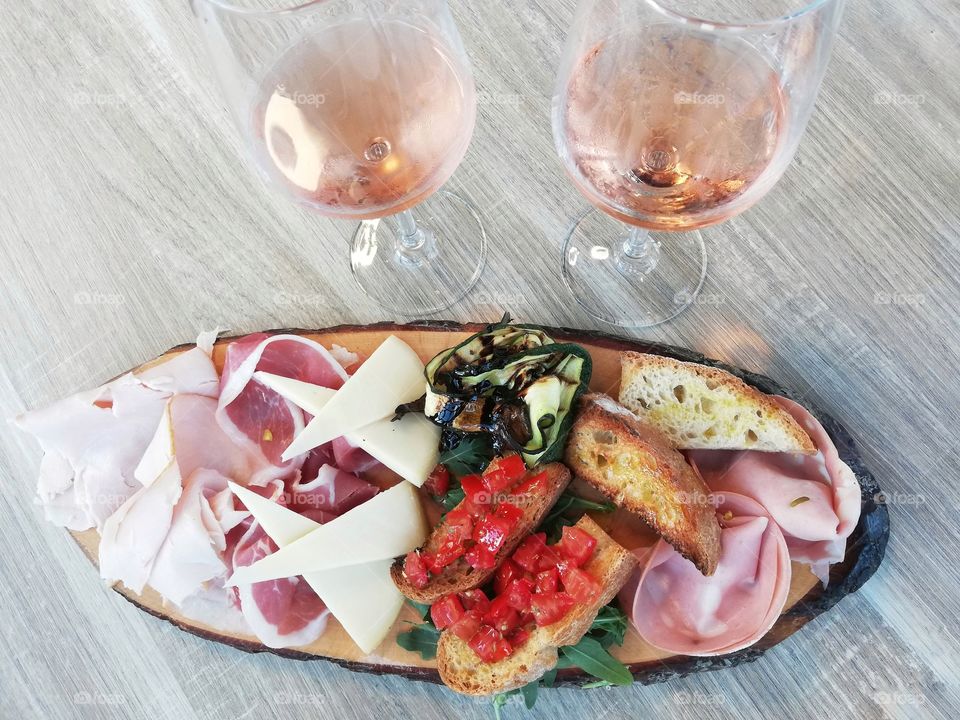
point(361, 109)
point(671, 116)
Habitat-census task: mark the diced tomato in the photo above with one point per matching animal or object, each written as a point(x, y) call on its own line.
point(576, 545)
point(518, 637)
point(501, 616)
point(480, 558)
point(512, 466)
point(475, 600)
point(491, 533)
point(547, 581)
point(548, 608)
point(430, 560)
point(446, 611)
point(490, 645)
point(550, 558)
point(451, 549)
point(466, 627)
point(506, 573)
point(416, 570)
point(518, 594)
point(527, 618)
point(537, 485)
point(509, 512)
point(474, 490)
point(438, 481)
point(497, 482)
point(580, 585)
point(527, 555)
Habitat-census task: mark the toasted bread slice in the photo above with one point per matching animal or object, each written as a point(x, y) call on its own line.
point(459, 576)
point(702, 407)
point(636, 466)
point(462, 670)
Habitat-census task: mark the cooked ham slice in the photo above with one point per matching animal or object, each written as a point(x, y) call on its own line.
point(192, 552)
point(94, 440)
point(815, 499)
point(132, 536)
point(676, 608)
point(260, 418)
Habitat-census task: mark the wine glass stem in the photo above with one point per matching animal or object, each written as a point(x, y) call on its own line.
point(640, 252)
point(409, 235)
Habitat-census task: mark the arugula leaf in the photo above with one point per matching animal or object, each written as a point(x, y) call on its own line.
point(420, 639)
point(609, 626)
point(567, 511)
point(423, 609)
point(591, 656)
point(501, 699)
point(471, 455)
point(454, 496)
point(549, 678)
point(596, 684)
point(529, 692)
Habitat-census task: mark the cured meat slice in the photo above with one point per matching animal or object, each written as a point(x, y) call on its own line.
point(282, 613)
point(133, 535)
point(815, 499)
point(333, 492)
point(676, 608)
point(350, 457)
point(93, 440)
point(253, 414)
point(192, 552)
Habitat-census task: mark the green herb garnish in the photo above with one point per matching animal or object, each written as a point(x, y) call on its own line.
point(567, 511)
point(591, 656)
point(421, 639)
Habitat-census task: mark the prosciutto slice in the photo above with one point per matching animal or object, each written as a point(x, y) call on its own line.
point(93, 440)
point(815, 499)
point(258, 417)
point(677, 609)
point(282, 613)
point(332, 493)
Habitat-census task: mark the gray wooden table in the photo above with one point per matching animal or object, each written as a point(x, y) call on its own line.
point(128, 222)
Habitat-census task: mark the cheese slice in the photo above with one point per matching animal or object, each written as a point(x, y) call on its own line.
point(390, 524)
point(391, 376)
point(363, 598)
point(409, 446)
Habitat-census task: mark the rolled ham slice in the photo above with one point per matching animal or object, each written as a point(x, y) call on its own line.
point(677, 609)
point(815, 499)
point(255, 416)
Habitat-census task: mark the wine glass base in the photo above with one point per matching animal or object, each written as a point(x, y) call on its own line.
point(446, 262)
point(631, 292)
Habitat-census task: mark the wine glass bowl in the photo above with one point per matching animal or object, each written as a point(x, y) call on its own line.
point(361, 110)
point(670, 117)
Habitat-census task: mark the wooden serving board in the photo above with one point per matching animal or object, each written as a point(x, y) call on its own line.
point(807, 598)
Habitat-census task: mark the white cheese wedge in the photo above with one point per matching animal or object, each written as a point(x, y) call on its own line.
point(388, 525)
point(391, 376)
point(409, 446)
point(363, 598)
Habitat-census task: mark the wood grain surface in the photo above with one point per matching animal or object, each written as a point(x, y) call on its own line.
point(129, 221)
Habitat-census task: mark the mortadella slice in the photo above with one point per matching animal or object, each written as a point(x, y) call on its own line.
point(815, 499)
point(676, 608)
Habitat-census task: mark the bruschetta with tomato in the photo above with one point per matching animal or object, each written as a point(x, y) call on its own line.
point(500, 508)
